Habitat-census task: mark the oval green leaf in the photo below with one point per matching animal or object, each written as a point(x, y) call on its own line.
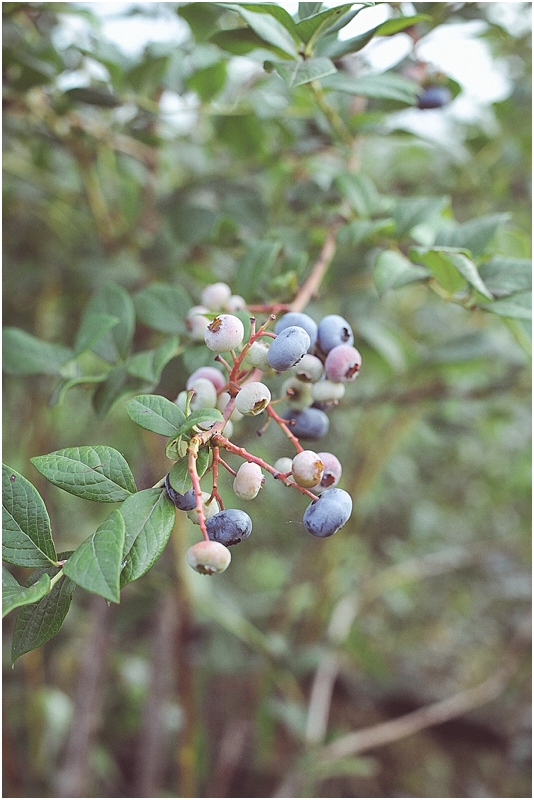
point(98, 473)
point(96, 564)
point(26, 534)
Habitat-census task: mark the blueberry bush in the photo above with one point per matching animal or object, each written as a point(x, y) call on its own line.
point(260, 292)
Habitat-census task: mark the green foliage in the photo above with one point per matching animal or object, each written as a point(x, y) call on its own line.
point(117, 212)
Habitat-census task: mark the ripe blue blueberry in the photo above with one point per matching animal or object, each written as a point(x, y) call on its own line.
point(229, 527)
point(299, 319)
point(333, 330)
point(288, 348)
point(310, 423)
point(434, 97)
point(326, 515)
point(185, 502)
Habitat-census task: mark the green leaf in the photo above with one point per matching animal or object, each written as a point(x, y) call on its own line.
point(515, 306)
point(339, 48)
point(201, 18)
point(506, 276)
point(149, 364)
point(443, 261)
point(411, 211)
point(24, 354)
point(162, 306)
point(297, 73)
point(244, 134)
point(93, 326)
point(208, 81)
point(37, 623)
point(26, 534)
point(312, 28)
point(117, 383)
point(148, 518)
point(114, 301)
point(193, 224)
point(95, 473)
point(387, 86)
point(93, 96)
point(267, 27)
point(156, 413)
point(62, 388)
point(255, 266)
point(199, 417)
point(360, 230)
point(361, 193)
point(474, 235)
point(308, 9)
point(393, 270)
point(241, 41)
point(96, 564)
point(14, 595)
point(179, 477)
point(274, 10)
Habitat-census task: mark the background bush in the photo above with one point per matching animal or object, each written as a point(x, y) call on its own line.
point(189, 164)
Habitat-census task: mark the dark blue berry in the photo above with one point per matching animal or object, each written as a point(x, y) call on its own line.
point(326, 515)
point(288, 348)
point(434, 97)
point(229, 527)
point(301, 320)
point(310, 423)
point(332, 331)
point(185, 502)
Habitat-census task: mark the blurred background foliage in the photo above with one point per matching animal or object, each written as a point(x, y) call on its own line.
point(185, 164)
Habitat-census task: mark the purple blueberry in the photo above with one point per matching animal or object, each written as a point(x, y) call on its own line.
point(333, 330)
point(326, 515)
point(288, 348)
point(301, 320)
point(185, 502)
point(434, 97)
point(229, 527)
point(310, 423)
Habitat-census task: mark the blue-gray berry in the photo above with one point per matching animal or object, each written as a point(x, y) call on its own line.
point(185, 502)
point(310, 423)
point(301, 320)
point(229, 527)
point(332, 331)
point(288, 348)
point(326, 515)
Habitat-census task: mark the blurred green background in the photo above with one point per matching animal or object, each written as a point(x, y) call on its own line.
point(176, 165)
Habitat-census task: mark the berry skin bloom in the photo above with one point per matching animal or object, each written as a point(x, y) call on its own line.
point(290, 345)
point(342, 363)
point(248, 481)
point(185, 502)
point(224, 333)
point(333, 330)
point(326, 515)
point(229, 527)
point(215, 296)
point(208, 558)
point(310, 423)
point(301, 320)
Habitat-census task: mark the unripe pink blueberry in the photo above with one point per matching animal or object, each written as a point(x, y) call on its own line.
point(331, 473)
point(307, 468)
point(326, 391)
point(253, 398)
point(342, 363)
point(215, 296)
point(211, 373)
point(208, 558)
point(224, 333)
point(248, 481)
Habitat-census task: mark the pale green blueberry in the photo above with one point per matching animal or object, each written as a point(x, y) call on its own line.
point(209, 510)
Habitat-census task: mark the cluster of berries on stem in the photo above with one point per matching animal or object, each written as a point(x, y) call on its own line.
point(317, 361)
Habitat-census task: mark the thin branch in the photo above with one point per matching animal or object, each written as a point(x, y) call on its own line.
point(311, 284)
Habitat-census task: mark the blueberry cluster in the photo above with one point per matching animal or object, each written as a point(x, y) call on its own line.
point(317, 360)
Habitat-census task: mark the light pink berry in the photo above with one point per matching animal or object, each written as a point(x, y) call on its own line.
point(342, 363)
point(208, 558)
point(248, 481)
point(224, 333)
point(307, 468)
